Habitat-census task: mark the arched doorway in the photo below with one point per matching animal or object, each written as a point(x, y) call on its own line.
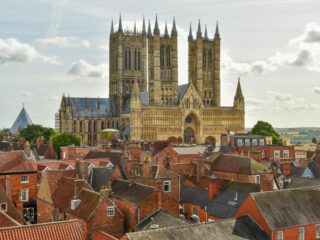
point(191, 129)
point(210, 140)
point(189, 135)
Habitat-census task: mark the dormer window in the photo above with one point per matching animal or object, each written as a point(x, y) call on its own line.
point(75, 203)
point(110, 211)
point(239, 142)
point(3, 207)
point(254, 142)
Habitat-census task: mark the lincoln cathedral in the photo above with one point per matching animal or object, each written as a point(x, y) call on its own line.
point(145, 100)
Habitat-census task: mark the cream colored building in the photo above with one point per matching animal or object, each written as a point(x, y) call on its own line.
point(145, 101)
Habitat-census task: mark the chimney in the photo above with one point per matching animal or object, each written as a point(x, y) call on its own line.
point(27, 149)
point(78, 183)
point(212, 190)
point(81, 168)
point(286, 169)
point(105, 192)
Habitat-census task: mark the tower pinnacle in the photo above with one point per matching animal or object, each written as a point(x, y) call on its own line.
point(111, 31)
point(149, 29)
point(217, 34)
point(120, 30)
point(156, 30)
point(199, 33)
point(143, 27)
point(206, 33)
point(166, 34)
point(174, 28)
point(190, 37)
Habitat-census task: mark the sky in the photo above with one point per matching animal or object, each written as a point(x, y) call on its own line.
point(50, 48)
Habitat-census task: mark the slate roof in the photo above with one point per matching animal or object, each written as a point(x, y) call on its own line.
point(195, 196)
point(231, 229)
point(131, 192)
point(182, 91)
point(315, 168)
point(289, 208)
point(162, 219)
point(15, 161)
point(226, 204)
point(100, 177)
point(237, 164)
point(22, 121)
point(190, 150)
point(70, 230)
point(92, 107)
point(113, 156)
point(297, 182)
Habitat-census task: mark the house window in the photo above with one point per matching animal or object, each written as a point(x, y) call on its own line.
point(110, 211)
point(194, 210)
point(286, 154)
point(24, 179)
point(318, 231)
point(301, 233)
point(3, 207)
point(239, 142)
point(24, 195)
point(276, 154)
point(261, 142)
point(247, 142)
point(280, 235)
point(257, 178)
point(167, 186)
point(254, 142)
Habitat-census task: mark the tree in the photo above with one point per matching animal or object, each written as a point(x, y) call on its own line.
point(266, 129)
point(64, 140)
point(314, 140)
point(5, 132)
point(32, 132)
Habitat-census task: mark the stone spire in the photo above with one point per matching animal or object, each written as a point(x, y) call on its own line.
point(190, 37)
point(143, 27)
point(166, 34)
point(149, 29)
point(120, 30)
point(217, 34)
point(199, 33)
point(134, 28)
point(174, 32)
point(156, 30)
point(206, 33)
point(239, 94)
point(111, 31)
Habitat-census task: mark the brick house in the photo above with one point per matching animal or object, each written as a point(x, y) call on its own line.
point(75, 199)
point(286, 214)
point(137, 201)
point(241, 168)
point(259, 147)
point(179, 154)
point(75, 152)
point(19, 179)
point(156, 176)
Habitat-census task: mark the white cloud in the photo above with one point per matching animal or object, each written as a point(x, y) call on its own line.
point(316, 90)
point(12, 50)
point(25, 94)
point(82, 68)
point(64, 41)
point(303, 51)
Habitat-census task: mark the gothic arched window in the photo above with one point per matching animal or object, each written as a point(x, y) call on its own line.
point(168, 56)
point(204, 59)
point(210, 59)
point(162, 56)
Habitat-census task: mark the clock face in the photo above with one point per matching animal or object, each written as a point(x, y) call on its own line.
point(188, 119)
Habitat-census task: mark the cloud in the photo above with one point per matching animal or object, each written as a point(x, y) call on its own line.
point(53, 98)
point(82, 68)
point(12, 50)
point(253, 101)
point(25, 94)
point(64, 41)
point(316, 90)
point(290, 103)
point(302, 51)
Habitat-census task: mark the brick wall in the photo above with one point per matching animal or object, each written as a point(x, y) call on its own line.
point(44, 211)
point(293, 233)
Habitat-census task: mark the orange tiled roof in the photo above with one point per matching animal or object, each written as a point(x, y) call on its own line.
point(15, 161)
point(100, 235)
point(70, 230)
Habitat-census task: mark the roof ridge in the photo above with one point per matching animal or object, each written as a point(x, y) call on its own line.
point(41, 224)
point(287, 189)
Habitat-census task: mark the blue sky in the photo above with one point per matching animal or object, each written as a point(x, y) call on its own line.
point(48, 48)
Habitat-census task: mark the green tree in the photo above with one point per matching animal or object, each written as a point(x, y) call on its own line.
point(64, 140)
point(5, 132)
point(32, 132)
point(266, 129)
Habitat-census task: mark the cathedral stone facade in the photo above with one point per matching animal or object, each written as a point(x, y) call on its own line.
point(145, 101)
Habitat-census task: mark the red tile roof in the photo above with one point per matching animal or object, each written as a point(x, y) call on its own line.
point(70, 230)
point(100, 235)
point(15, 161)
point(7, 221)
